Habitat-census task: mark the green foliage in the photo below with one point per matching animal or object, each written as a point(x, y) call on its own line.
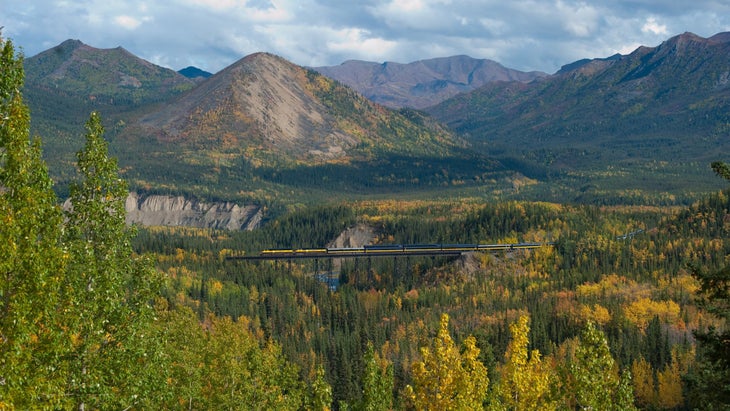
point(597, 383)
point(107, 291)
point(721, 169)
point(709, 383)
point(31, 258)
point(377, 383)
point(320, 393)
point(221, 364)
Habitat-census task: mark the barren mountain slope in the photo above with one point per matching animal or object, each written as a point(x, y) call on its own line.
point(263, 99)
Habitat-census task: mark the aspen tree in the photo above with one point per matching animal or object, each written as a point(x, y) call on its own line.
point(448, 380)
point(525, 382)
point(31, 258)
point(597, 382)
point(108, 291)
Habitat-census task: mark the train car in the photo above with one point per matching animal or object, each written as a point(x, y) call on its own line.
point(384, 248)
point(459, 247)
point(422, 247)
point(526, 245)
point(310, 251)
point(277, 251)
point(283, 252)
point(345, 250)
point(494, 247)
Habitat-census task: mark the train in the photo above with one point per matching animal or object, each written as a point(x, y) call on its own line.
point(399, 248)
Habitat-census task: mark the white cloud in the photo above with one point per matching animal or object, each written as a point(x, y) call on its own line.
point(652, 26)
point(360, 42)
point(127, 22)
point(578, 19)
point(218, 5)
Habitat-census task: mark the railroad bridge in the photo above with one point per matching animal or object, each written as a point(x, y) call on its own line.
point(388, 250)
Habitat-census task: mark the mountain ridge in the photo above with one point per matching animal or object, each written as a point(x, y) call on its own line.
point(265, 126)
point(105, 76)
point(657, 105)
point(422, 83)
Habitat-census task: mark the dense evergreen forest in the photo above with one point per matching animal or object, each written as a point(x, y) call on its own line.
point(624, 269)
point(627, 308)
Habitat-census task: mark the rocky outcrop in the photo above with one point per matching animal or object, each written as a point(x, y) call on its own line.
point(357, 236)
point(162, 210)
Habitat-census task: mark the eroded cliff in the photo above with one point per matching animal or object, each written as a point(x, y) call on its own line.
point(163, 210)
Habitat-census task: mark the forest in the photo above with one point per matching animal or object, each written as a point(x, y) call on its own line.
point(627, 308)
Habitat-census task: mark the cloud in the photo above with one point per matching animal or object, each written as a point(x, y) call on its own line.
point(127, 22)
point(652, 26)
point(211, 34)
point(578, 19)
point(361, 43)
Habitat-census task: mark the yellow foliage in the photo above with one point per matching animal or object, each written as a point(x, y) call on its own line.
point(641, 311)
point(669, 387)
point(597, 314)
point(525, 382)
point(446, 379)
point(214, 287)
point(643, 379)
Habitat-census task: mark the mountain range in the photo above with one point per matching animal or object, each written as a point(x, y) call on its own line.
point(652, 115)
point(423, 83)
point(267, 130)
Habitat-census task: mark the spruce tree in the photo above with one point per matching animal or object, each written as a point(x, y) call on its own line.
point(710, 382)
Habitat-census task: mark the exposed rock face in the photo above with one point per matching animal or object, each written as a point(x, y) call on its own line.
point(357, 236)
point(160, 210)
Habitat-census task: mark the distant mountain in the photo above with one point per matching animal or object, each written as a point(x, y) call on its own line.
point(422, 83)
point(265, 129)
point(194, 73)
point(111, 77)
point(65, 83)
point(662, 107)
point(261, 124)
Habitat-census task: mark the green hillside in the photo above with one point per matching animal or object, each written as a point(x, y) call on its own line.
point(647, 122)
point(67, 82)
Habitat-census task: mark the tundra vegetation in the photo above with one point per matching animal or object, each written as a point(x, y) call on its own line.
point(627, 309)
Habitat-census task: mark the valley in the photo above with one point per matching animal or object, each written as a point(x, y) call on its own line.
point(175, 182)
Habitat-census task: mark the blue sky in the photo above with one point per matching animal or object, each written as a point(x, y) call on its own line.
point(212, 34)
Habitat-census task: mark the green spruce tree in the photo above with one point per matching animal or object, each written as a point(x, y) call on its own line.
point(710, 382)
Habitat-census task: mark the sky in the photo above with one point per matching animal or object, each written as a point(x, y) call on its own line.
point(524, 35)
